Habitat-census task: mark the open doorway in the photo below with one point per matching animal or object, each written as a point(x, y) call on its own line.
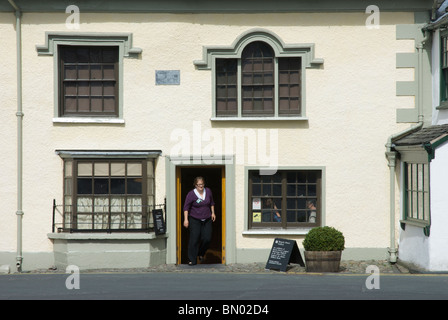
point(214, 177)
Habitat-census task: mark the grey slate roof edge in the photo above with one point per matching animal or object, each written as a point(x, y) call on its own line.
point(424, 136)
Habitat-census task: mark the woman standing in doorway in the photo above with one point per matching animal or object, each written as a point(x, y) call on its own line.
point(199, 213)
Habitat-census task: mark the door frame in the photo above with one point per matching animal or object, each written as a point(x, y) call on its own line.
point(180, 214)
point(171, 164)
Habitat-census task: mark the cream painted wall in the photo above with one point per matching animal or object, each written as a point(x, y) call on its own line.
point(351, 105)
point(8, 132)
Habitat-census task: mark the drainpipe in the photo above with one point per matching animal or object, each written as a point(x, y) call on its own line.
point(392, 155)
point(434, 10)
point(19, 115)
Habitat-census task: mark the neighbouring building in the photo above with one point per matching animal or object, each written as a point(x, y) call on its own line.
point(325, 112)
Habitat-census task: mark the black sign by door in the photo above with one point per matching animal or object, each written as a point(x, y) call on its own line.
point(159, 223)
point(283, 252)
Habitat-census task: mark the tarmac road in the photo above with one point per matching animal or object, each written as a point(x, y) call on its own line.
point(221, 286)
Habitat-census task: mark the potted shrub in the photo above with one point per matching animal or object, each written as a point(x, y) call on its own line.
point(323, 248)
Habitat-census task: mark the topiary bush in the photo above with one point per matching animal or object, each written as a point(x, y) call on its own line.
point(324, 239)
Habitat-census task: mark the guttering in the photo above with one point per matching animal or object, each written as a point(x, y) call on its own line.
point(391, 154)
point(19, 114)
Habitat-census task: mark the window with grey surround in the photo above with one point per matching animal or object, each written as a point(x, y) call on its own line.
point(417, 201)
point(444, 70)
point(287, 199)
point(108, 195)
point(88, 81)
point(264, 83)
point(259, 77)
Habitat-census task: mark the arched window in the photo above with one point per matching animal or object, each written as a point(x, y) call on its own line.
point(257, 84)
point(259, 77)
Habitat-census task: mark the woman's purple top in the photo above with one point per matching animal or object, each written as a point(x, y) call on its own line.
point(198, 208)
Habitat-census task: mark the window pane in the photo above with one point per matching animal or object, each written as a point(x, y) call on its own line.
point(118, 186)
point(297, 190)
point(258, 80)
point(68, 168)
point(84, 221)
point(134, 204)
point(109, 72)
point(101, 169)
point(70, 73)
point(101, 205)
point(417, 191)
point(134, 169)
point(256, 189)
point(84, 104)
point(117, 169)
point(84, 186)
point(69, 56)
point(111, 192)
point(96, 89)
point(271, 210)
point(289, 86)
point(109, 88)
point(226, 90)
point(96, 104)
point(110, 54)
point(101, 186)
point(82, 54)
point(312, 190)
point(118, 204)
point(84, 204)
point(70, 104)
point(82, 69)
point(109, 104)
point(70, 89)
point(134, 186)
point(84, 169)
point(83, 72)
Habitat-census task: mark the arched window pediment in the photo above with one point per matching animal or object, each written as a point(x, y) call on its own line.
point(258, 77)
point(305, 50)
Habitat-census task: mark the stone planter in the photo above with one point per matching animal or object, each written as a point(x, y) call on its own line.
point(322, 261)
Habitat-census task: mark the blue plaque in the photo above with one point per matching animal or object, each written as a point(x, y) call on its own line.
point(167, 77)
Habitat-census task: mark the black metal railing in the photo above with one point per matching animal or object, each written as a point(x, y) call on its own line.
point(111, 218)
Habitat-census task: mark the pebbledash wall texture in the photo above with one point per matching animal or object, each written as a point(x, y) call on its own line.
point(349, 110)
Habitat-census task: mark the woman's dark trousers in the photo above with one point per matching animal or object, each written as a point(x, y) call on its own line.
point(200, 237)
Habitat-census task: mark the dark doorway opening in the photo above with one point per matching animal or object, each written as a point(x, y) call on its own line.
point(214, 179)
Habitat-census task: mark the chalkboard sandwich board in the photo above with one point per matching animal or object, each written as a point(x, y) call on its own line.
point(284, 252)
point(159, 223)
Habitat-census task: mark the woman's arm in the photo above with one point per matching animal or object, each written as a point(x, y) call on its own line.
point(213, 213)
point(186, 222)
point(187, 205)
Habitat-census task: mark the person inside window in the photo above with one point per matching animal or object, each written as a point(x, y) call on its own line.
point(270, 211)
point(311, 206)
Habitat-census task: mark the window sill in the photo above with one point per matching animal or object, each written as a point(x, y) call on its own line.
point(443, 105)
point(416, 223)
point(259, 119)
point(273, 231)
point(104, 236)
point(88, 120)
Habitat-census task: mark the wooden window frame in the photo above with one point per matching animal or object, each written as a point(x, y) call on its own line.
point(63, 83)
point(444, 70)
point(417, 192)
point(282, 182)
point(258, 80)
point(251, 98)
point(54, 39)
point(303, 51)
point(226, 87)
point(70, 203)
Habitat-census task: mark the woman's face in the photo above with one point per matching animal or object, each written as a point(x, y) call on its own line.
point(200, 185)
